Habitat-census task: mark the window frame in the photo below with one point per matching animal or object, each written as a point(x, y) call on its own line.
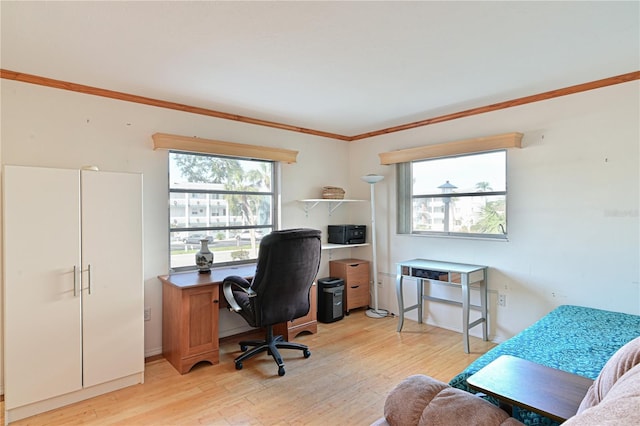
point(406, 198)
point(275, 208)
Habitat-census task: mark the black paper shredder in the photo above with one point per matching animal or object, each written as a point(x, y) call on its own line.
point(330, 299)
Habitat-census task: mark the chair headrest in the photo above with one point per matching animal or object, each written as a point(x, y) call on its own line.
point(286, 234)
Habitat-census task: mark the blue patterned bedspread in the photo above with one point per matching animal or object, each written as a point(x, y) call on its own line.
point(571, 338)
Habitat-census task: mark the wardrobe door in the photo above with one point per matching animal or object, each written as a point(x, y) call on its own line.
point(112, 263)
point(42, 326)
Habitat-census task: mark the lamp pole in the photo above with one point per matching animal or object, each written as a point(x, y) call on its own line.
point(447, 188)
point(375, 312)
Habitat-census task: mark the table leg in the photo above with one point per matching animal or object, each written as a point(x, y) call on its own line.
point(400, 299)
point(420, 288)
point(483, 303)
point(464, 279)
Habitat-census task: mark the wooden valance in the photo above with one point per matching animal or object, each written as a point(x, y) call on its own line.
point(467, 146)
point(231, 149)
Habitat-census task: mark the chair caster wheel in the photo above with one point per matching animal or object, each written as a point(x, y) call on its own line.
point(306, 353)
point(280, 371)
point(238, 366)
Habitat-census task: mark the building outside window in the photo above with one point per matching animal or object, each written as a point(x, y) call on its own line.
point(231, 202)
point(464, 195)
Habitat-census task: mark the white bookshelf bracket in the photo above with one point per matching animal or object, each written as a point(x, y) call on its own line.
point(332, 204)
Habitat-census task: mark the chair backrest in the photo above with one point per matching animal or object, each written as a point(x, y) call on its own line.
point(288, 263)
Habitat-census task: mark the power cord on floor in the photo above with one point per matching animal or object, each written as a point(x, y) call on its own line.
point(380, 313)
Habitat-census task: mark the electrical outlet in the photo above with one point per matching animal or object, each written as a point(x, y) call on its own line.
point(502, 299)
point(147, 313)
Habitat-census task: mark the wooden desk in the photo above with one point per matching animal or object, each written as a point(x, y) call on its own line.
point(190, 311)
point(459, 275)
point(544, 390)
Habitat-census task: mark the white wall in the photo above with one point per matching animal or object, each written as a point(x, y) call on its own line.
point(573, 196)
point(573, 191)
point(54, 128)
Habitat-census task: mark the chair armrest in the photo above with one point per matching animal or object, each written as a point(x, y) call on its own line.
point(422, 400)
point(239, 283)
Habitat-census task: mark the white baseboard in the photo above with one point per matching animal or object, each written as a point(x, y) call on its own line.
point(29, 410)
point(152, 352)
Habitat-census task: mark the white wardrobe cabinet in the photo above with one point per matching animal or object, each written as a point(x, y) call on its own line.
point(73, 286)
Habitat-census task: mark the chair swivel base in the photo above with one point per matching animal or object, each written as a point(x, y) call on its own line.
point(271, 345)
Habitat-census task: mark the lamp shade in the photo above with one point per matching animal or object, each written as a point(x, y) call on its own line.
point(371, 178)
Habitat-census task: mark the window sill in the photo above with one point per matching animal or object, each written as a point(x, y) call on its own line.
point(460, 237)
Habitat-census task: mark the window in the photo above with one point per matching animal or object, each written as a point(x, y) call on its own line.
point(231, 202)
point(464, 195)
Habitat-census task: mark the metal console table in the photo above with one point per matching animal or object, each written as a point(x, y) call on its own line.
point(445, 272)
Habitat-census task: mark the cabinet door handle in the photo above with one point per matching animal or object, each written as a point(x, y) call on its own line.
point(355, 286)
point(88, 271)
point(89, 275)
point(215, 301)
point(75, 281)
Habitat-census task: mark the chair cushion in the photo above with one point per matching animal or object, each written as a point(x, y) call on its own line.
point(422, 400)
point(626, 358)
point(620, 405)
point(408, 399)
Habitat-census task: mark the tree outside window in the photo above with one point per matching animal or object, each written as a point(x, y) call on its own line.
point(454, 196)
point(228, 201)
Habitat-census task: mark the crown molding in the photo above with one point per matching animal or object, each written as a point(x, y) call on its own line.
point(74, 87)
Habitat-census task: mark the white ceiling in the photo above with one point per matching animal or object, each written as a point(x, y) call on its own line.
point(340, 67)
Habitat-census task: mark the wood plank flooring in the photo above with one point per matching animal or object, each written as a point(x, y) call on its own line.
point(354, 363)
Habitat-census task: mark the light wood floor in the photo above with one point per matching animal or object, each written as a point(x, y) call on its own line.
point(354, 363)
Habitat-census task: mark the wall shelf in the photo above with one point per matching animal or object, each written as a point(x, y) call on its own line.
point(331, 246)
point(332, 204)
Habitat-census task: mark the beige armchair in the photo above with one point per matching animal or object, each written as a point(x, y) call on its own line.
point(614, 398)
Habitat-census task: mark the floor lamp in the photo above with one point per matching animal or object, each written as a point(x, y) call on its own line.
point(374, 312)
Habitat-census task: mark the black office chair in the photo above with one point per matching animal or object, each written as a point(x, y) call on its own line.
point(288, 263)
